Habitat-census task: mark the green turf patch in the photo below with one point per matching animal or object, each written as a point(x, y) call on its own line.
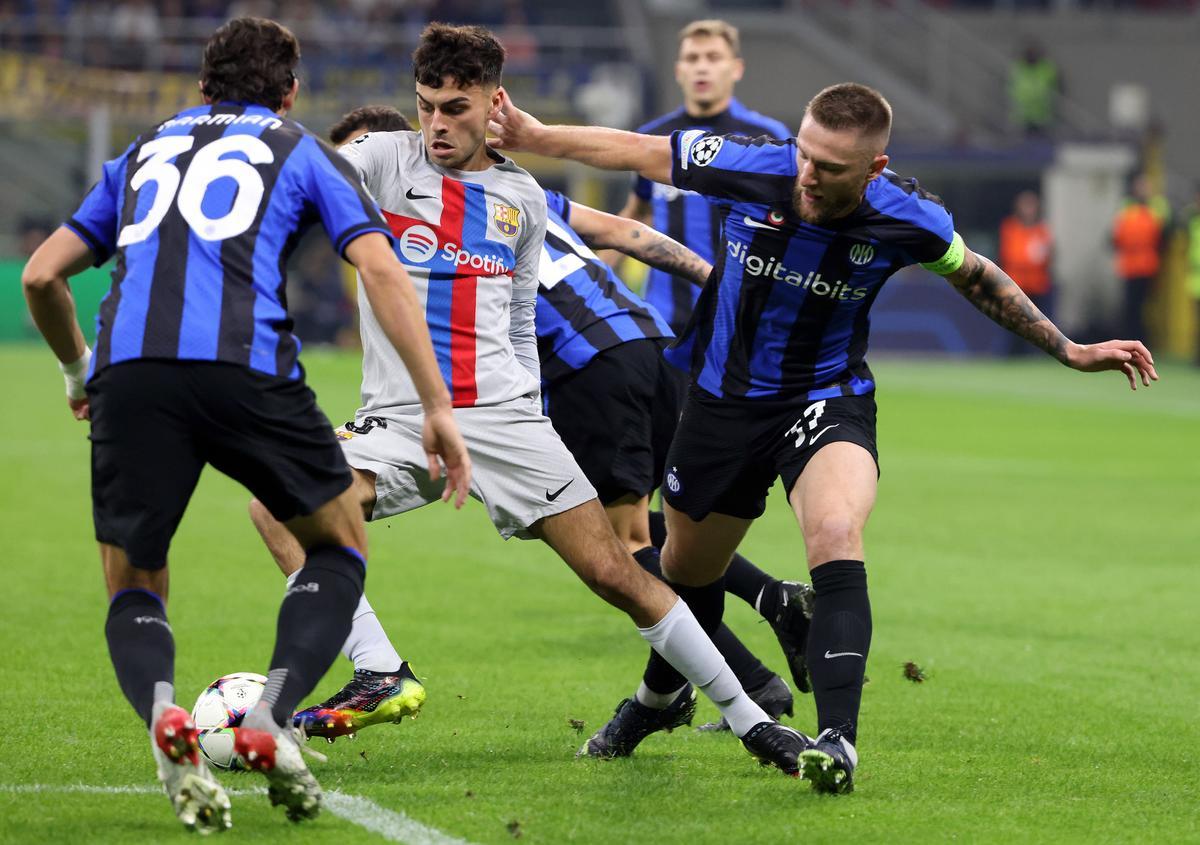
point(1033, 552)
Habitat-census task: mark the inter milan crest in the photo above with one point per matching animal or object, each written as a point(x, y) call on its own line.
point(508, 219)
point(706, 150)
point(861, 254)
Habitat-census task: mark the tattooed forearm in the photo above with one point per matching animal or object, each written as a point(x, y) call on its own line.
point(672, 257)
point(989, 289)
point(662, 253)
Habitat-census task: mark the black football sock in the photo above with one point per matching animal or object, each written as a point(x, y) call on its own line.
point(750, 671)
point(747, 581)
point(141, 646)
point(707, 604)
point(658, 528)
point(648, 559)
point(314, 621)
point(838, 643)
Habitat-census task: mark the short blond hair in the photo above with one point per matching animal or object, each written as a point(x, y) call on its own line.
point(713, 27)
point(850, 105)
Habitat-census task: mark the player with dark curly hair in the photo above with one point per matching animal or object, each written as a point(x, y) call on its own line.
point(470, 226)
point(196, 364)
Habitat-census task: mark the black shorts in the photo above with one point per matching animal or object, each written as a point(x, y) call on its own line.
point(155, 424)
point(728, 452)
point(617, 417)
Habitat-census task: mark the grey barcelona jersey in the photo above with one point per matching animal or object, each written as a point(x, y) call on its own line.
point(469, 240)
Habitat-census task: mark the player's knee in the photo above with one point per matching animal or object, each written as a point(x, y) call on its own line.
point(832, 537)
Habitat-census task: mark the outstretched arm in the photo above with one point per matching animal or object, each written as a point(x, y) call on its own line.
point(395, 305)
point(635, 208)
point(48, 295)
point(637, 240)
point(598, 146)
point(989, 289)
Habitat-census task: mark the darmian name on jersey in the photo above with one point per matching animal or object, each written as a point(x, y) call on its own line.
point(812, 282)
point(223, 119)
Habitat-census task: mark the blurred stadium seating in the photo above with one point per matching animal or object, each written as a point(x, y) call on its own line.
point(77, 79)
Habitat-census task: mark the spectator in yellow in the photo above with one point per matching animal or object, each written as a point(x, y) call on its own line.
point(1137, 246)
point(1034, 83)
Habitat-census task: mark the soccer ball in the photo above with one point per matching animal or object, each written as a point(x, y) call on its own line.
point(219, 709)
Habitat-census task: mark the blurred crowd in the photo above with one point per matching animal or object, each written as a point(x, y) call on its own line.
point(166, 34)
point(1142, 233)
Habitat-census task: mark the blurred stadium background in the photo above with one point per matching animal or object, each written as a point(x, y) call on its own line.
point(79, 79)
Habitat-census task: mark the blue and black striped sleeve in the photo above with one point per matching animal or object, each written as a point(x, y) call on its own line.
point(917, 222)
point(559, 204)
point(335, 190)
point(733, 167)
point(643, 188)
point(97, 218)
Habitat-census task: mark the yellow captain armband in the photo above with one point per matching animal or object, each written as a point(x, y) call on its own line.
point(952, 260)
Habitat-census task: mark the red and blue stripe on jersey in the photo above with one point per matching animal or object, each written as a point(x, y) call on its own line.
point(454, 277)
point(691, 219)
point(785, 313)
point(582, 307)
point(182, 294)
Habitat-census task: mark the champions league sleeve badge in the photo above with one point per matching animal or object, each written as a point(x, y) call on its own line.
point(705, 150)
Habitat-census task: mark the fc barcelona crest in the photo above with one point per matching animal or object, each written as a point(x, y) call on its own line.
point(508, 219)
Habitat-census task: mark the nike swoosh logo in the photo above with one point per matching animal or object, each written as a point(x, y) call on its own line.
point(758, 224)
point(813, 439)
point(829, 654)
point(550, 497)
point(410, 195)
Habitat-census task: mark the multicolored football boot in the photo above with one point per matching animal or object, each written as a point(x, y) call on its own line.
point(371, 698)
point(196, 797)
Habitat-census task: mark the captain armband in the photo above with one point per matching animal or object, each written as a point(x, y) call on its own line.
point(952, 260)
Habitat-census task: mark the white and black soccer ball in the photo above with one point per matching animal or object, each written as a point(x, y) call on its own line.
point(219, 709)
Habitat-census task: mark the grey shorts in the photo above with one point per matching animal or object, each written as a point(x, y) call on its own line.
point(521, 470)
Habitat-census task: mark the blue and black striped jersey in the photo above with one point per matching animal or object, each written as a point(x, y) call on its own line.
point(582, 307)
point(202, 212)
point(785, 312)
point(685, 216)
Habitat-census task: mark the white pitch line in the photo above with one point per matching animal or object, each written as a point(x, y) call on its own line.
point(392, 825)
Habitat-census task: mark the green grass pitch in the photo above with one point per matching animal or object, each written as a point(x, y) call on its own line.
point(1034, 549)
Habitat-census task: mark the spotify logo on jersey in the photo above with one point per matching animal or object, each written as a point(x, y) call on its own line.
point(418, 244)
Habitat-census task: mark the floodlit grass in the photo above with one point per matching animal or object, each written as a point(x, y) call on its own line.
point(1034, 549)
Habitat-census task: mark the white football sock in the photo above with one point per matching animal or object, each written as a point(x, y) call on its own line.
point(656, 700)
point(679, 638)
point(368, 645)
